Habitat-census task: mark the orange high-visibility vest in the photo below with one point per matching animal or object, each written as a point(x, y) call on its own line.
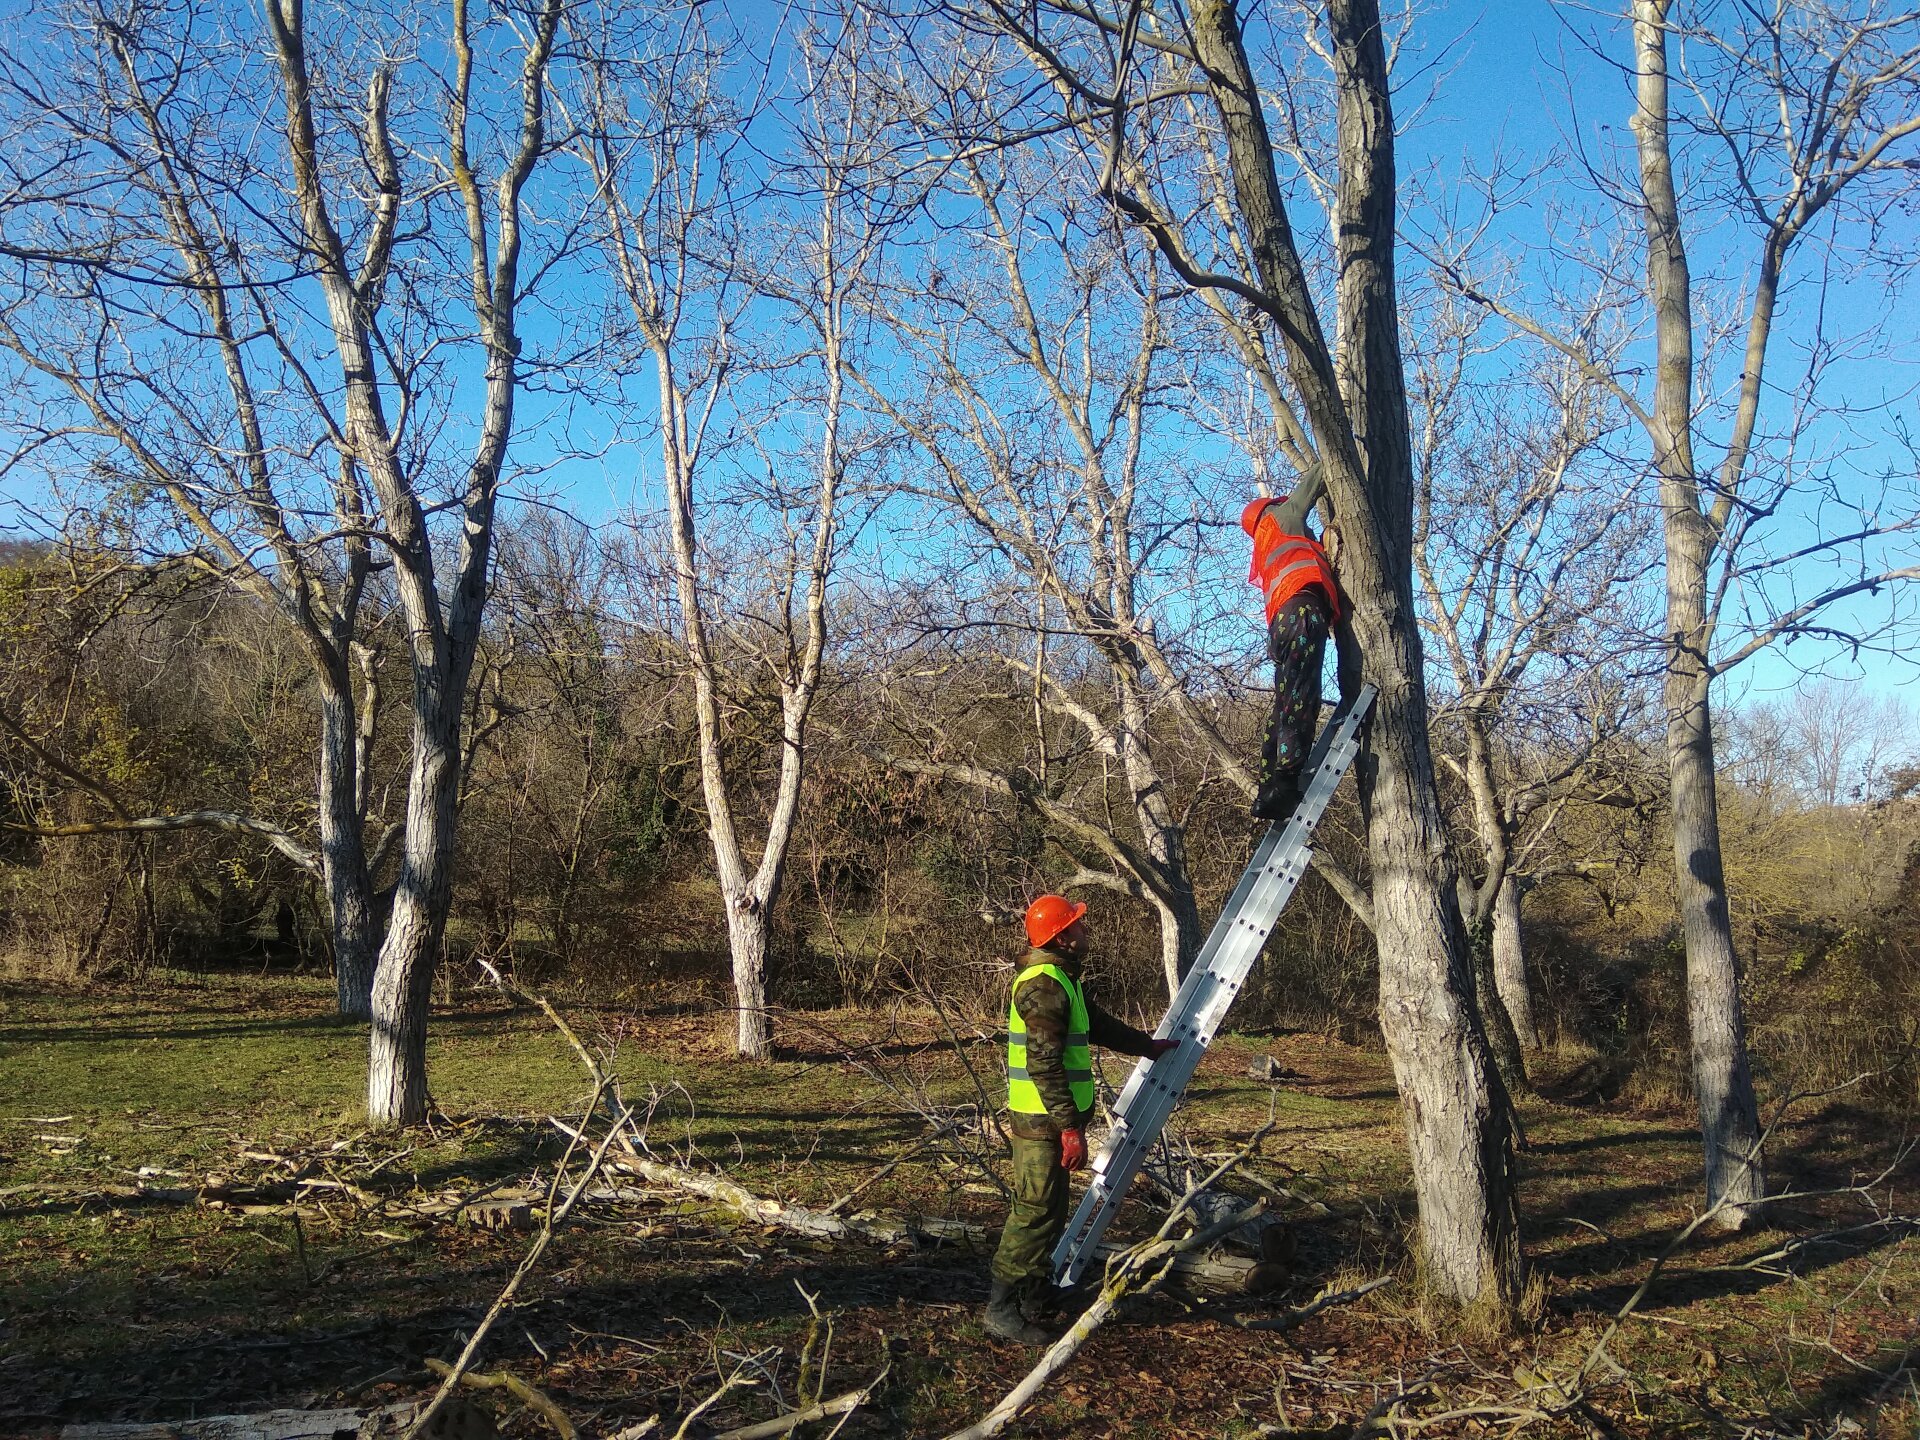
point(1283, 564)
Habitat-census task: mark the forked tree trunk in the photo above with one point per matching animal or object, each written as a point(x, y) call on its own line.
point(1510, 964)
point(1723, 1086)
point(441, 638)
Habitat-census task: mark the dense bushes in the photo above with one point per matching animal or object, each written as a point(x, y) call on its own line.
point(583, 865)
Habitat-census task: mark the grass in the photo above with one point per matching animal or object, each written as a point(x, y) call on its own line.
point(111, 1309)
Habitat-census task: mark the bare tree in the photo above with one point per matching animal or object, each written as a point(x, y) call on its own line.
point(1803, 117)
point(1028, 307)
point(443, 630)
point(1848, 739)
point(1526, 555)
point(658, 142)
point(1121, 77)
point(126, 306)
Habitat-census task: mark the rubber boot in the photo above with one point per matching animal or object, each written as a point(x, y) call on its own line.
point(1002, 1317)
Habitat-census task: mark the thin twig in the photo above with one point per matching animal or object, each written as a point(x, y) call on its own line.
point(780, 1424)
point(1295, 1318)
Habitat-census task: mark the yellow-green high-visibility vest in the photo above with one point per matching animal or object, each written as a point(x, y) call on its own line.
point(1023, 1096)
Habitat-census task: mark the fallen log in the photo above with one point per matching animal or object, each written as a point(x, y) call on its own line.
point(269, 1425)
point(1222, 1274)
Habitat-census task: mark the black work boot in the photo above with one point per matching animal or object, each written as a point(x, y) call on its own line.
point(1278, 798)
point(1042, 1303)
point(1002, 1317)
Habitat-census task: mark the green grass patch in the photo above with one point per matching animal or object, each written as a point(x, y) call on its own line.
point(114, 1309)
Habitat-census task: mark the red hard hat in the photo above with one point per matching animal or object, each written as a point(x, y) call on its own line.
point(1048, 916)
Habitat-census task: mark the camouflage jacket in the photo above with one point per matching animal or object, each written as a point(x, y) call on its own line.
point(1044, 1009)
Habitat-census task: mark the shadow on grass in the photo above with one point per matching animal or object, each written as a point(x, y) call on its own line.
point(1854, 1393)
point(1686, 1282)
point(1601, 1142)
point(252, 1336)
point(91, 1031)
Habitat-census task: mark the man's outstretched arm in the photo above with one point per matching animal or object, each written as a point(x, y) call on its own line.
point(1291, 515)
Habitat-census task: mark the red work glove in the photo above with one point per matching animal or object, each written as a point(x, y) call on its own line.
point(1073, 1148)
point(1162, 1047)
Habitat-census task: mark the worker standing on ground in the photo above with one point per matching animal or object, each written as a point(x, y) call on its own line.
point(1303, 602)
point(1051, 1027)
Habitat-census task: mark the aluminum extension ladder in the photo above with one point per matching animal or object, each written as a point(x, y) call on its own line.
point(1155, 1087)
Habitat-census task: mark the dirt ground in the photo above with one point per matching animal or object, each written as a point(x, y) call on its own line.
point(118, 1304)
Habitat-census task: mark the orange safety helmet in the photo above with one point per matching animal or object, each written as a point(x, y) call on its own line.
point(1048, 916)
point(1256, 507)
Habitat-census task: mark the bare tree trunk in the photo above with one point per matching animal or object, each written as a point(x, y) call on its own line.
point(442, 637)
point(1181, 934)
point(1722, 1082)
point(1723, 1086)
point(343, 855)
point(403, 982)
point(1502, 1035)
point(1455, 1110)
point(1164, 836)
point(1491, 822)
point(1510, 963)
point(747, 932)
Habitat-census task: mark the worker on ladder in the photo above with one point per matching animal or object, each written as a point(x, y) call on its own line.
point(1303, 603)
point(1051, 1027)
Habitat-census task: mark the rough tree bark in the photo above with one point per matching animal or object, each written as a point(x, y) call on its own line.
point(1455, 1112)
point(1510, 963)
point(442, 638)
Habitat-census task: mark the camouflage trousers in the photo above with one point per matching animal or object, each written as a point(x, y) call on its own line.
point(1039, 1214)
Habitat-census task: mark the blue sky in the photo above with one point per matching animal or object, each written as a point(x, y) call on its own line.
point(1480, 78)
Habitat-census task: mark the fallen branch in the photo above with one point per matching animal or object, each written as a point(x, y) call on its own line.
point(781, 1424)
point(1129, 1275)
point(248, 1199)
point(1306, 1312)
point(528, 1395)
point(551, 1221)
point(1226, 1274)
point(267, 1425)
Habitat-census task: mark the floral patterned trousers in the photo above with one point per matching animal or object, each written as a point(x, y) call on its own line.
point(1297, 645)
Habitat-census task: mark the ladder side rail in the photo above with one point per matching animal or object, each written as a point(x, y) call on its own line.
point(1154, 1089)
